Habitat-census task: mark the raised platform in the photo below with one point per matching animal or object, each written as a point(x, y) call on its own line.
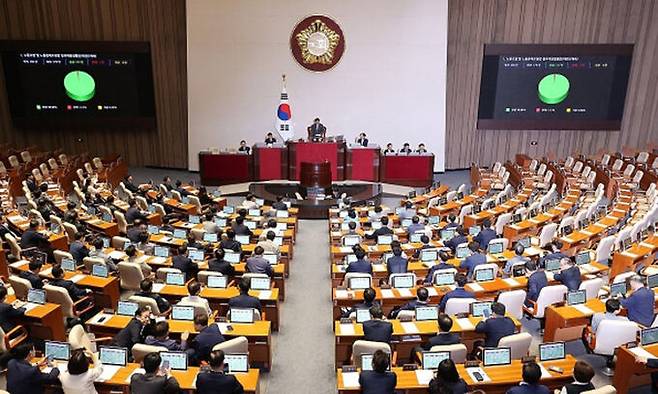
point(241, 189)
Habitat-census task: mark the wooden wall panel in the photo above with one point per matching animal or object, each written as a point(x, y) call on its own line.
point(162, 22)
point(472, 23)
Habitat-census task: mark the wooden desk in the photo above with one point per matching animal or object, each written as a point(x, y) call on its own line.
point(639, 252)
point(566, 323)
point(44, 322)
point(259, 334)
point(509, 205)
point(455, 205)
point(627, 368)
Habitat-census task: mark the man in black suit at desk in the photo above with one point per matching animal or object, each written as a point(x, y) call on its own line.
point(495, 326)
point(376, 329)
point(32, 238)
point(214, 380)
point(383, 230)
point(8, 312)
point(369, 295)
point(137, 329)
point(146, 286)
point(244, 300)
point(316, 131)
point(444, 336)
point(379, 380)
point(32, 274)
point(74, 291)
point(397, 264)
point(184, 263)
point(25, 378)
point(362, 140)
point(230, 243)
point(133, 213)
point(218, 264)
point(208, 336)
point(443, 265)
point(240, 228)
point(361, 264)
point(569, 274)
point(153, 380)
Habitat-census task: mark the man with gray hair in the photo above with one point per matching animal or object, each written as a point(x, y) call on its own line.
point(639, 305)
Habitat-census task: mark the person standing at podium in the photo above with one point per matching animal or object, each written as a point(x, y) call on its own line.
point(269, 139)
point(362, 140)
point(316, 131)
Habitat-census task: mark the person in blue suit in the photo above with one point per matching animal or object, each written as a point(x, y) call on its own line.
point(530, 385)
point(25, 378)
point(486, 234)
point(495, 326)
point(379, 380)
point(377, 329)
point(415, 225)
point(443, 265)
point(536, 281)
point(444, 336)
point(459, 292)
point(361, 264)
point(554, 253)
point(208, 336)
point(569, 274)
point(639, 305)
point(215, 380)
point(422, 296)
point(476, 258)
point(452, 221)
point(459, 238)
point(396, 264)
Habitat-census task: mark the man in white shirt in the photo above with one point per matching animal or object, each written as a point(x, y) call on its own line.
point(268, 244)
point(194, 288)
point(612, 308)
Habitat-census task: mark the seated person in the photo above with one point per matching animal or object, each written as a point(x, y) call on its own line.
point(517, 259)
point(415, 226)
point(183, 263)
point(268, 244)
point(476, 258)
point(279, 205)
point(316, 131)
point(143, 244)
point(554, 253)
point(243, 147)
point(383, 230)
point(582, 375)
point(443, 265)
point(447, 379)
point(389, 149)
point(368, 302)
point(486, 234)
point(459, 292)
point(421, 148)
point(32, 238)
point(214, 380)
point(397, 264)
point(154, 379)
point(230, 243)
point(180, 189)
point(131, 252)
point(25, 378)
point(376, 213)
point(267, 227)
point(97, 252)
point(146, 287)
point(193, 289)
point(257, 264)
point(133, 232)
point(495, 326)
point(82, 370)
point(32, 274)
point(639, 305)
point(569, 274)
point(409, 211)
point(8, 312)
point(133, 212)
point(137, 329)
point(379, 380)
point(530, 385)
point(160, 337)
point(351, 229)
point(209, 225)
point(444, 336)
point(459, 238)
point(244, 300)
point(422, 299)
point(250, 202)
point(58, 280)
point(424, 244)
point(239, 227)
point(269, 139)
point(361, 264)
point(406, 148)
point(452, 222)
point(78, 249)
point(376, 329)
point(218, 264)
point(612, 309)
point(208, 336)
point(362, 140)
point(204, 197)
point(536, 281)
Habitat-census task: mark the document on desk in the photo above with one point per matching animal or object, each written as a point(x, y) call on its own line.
point(405, 293)
point(432, 291)
point(647, 245)
point(138, 370)
point(584, 310)
point(346, 249)
point(587, 268)
point(465, 324)
point(265, 294)
point(544, 372)
point(350, 379)
point(409, 327)
point(511, 282)
point(341, 294)
point(424, 376)
point(77, 278)
point(387, 293)
point(108, 372)
point(639, 351)
point(46, 272)
point(157, 260)
point(475, 287)
point(117, 255)
point(98, 317)
point(157, 287)
point(29, 306)
point(142, 259)
point(347, 329)
point(471, 371)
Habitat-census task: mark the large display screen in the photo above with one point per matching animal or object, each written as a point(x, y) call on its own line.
point(553, 87)
point(78, 82)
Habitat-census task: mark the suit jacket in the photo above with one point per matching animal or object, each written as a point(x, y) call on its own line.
point(34, 279)
point(529, 389)
point(396, 265)
point(7, 312)
point(131, 187)
point(362, 141)
point(377, 383)
point(431, 271)
point(74, 291)
point(473, 261)
point(484, 237)
point(455, 241)
point(211, 382)
point(134, 213)
point(415, 227)
point(536, 282)
point(133, 234)
point(231, 244)
point(186, 265)
point(24, 378)
point(31, 238)
point(134, 332)
point(459, 292)
point(569, 277)
point(241, 229)
point(384, 230)
point(205, 340)
point(377, 330)
point(458, 387)
point(259, 265)
point(244, 301)
point(442, 338)
point(359, 266)
point(221, 266)
point(495, 328)
point(150, 383)
point(316, 131)
point(169, 343)
point(79, 251)
point(639, 306)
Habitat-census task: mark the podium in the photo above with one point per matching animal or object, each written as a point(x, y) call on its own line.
point(224, 168)
point(410, 170)
point(270, 161)
point(316, 152)
point(362, 163)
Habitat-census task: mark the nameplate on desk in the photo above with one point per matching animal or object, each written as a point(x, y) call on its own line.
point(584, 310)
point(157, 287)
point(347, 329)
point(424, 376)
point(342, 294)
point(588, 233)
point(511, 282)
point(647, 245)
point(350, 379)
point(465, 324)
point(475, 287)
point(409, 328)
point(387, 293)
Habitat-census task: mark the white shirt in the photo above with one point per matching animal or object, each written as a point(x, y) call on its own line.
point(83, 383)
point(190, 300)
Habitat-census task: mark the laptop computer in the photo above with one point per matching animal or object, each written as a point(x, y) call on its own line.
point(36, 296)
point(426, 313)
point(260, 283)
point(431, 360)
point(175, 278)
point(99, 270)
point(217, 282)
point(176, 360)
point(113, 355)
point(496, 356)
point(127, 308)
point(551, 351)
point(242, 315)
point(406, 281)
point(236, 362)
point(55, 350)
point(182, 312)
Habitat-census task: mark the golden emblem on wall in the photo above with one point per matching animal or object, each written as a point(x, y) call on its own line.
point(317, 43)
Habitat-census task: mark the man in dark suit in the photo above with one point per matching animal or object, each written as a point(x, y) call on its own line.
point(396, 264)
point(531, 373)
point(8, 312)
point(146, 287)
point(362, 140)
point(415, 226)
point(244, 300)
point(257, 264)
point(316, 131)
point(452, 222)
point(496, 326)
point(180, 189)
point(208, 336)
point(569, 274)
point(444, 336)
point(554, 252)
point(486, 234)
point(376, 329)
point(58, 280)
point(137, 329)
point(32, 238)
point(240, 228)
point(459, 238)
point(422, 297)
point(368, 302)
point(184, 263)
point(536, 281)
point(133, 232)
point(230, 243)
point(269, 139)
point(153, 380)
point(25, 378)
point(32, 274)
point(133, 212)
point(78, 249)
point(130, 186)
point(218, 264)
point(215, 380)
point(383, 230)
point(459, 292)
point(443, 265)
point(279, 205)
point(476, 258)
point(379, 380)
point(639, 305)
point(361, 264)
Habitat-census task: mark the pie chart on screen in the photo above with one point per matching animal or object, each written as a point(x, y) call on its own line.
point(553, 88)
point(79, 85)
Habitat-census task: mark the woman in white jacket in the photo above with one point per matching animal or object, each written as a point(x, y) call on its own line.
point(83, 369)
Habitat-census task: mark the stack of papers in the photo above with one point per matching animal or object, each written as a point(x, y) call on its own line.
point(77, 278)
point(347, 329)
point(405, 293)
point(409, 327)
point(465, 324)
point(424, 376)
point(511, 281)
point(584, 310)
point(157, 287)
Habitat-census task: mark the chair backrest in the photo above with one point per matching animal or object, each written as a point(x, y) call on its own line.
point(629, 170)
point(53, 163)
point(458, 305)
point(146, 301)
point(591, 287)
point(513, 301)
point(466, 210)
point(542, 169)
point(451, 195)
point(577, 167)
point(118, 242)
point(78, 338)
point(13, 245)
point(70, 231)
point(482, 267)
point(59, 295)
point(160, 209)
point(202, 276)
point(161, 273)
point(496, 167)
point(176, 195)
point(458, 351)
point(130, 275)
point(105, 210)
point(235, 345)
point(462, 188)
point(142, 203)
point(351, 275)
point(547, 233)
point(519, 344)
point(566, 221)
point(605, 159)
point(140, 351)
point(199, 307)
point(44, 169)
point(638, 177)
point(611, 334)
point(586, 172)
point(391, 279)
point(60, 254)
point(549, 295)
point(122, 224)
point(194, 200)
point(90, 262)
point(63, 159)
point(617, 165)
point(502, 221)
point(621, 236)
point(567, 163)
point(367, 347)
point(25, 155)
point(13, 161)
point(97, 163)
point(607, 389)
point(20, 286)
point(163, 189)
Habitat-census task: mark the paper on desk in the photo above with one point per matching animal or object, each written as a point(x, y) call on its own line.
point(475, 287)
point(465, 324)
point(584, 310)
point(409, 327)
point(347, 329)
point(29, 306)
point(639, 351)
point(157, 260)
point(587, 268)
point(346, 249)
point(544, 372)
point(141, 259)
point(350, 379)
point(108, 372)
point(222, 327)
point(485, 377)
point(387, 293)
point(265, 294)
point(549, 276)
point(405, 293)
point(77, 278)
point(432, 291)
point(117, 255)
point(47, 271)
point(511, 281)
point(341, 294)
point(646, 245)
point(157, 287)
point(424, 376)
point(138, 370)
point(588, 233)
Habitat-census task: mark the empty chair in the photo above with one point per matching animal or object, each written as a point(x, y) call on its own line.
point(60, 254)
point(635, 182)
point(568, 162)
point(496, 167)
point(580, 218)
point(176, 195)
point(451, 195)
point(43, 167)
point(161, 273)
point(26, 156)
point(13, 161)
point(628, 170)
point(159, 209)
point(97, 163)
point(518, 343)
point(577, 167)
point(194, 200)
point(588, 183)
point(235, 345)
point(621, 236)
point(462, 188)
point(458, 351)
point(513, 301)
point(70, 230)
point(21, 286)
point(548, 295)
point(503, 220)
point(37, 175)
point(119, 242)
point(547, 234)
point(140, 351)
point(466, 210)
point(63, 159)
point(130, 275)
point(14, 246)
point(566, 221)
point(458, 305)
point(70, 309)
point(541, 170)
point(52, 163)
point(12, 338)
point(350, 275)
point(546, 181)
point(605, 159)
point(533, 165)
point(361, 347)
point(142, 203)
point(3, 169)
point(616, 166)
point(122, 224)
point(503, 182)
point(654, 165)
point(591, 287)
point(610, 335)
